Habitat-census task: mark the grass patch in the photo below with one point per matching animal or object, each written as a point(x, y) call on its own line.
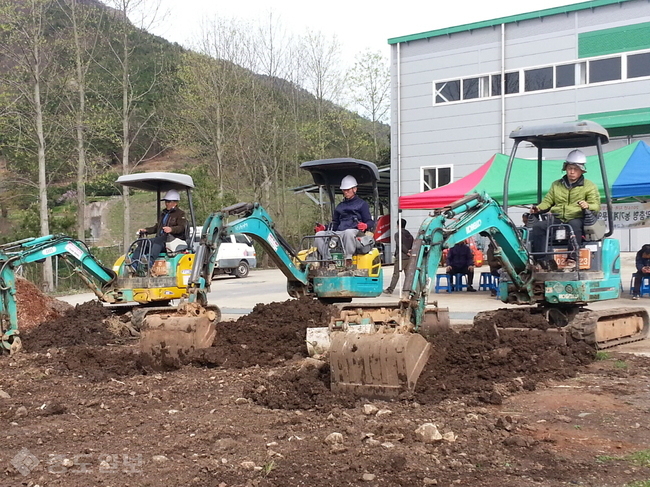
point(639, 483)
point(620, 364)
point(600, 355)
point(640, 458)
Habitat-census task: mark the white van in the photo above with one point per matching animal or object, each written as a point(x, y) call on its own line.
point(236, 255)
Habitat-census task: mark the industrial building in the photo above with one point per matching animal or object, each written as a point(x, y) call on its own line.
point(458, 92)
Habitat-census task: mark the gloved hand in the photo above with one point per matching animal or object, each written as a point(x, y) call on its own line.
point(319, 228)
point(362, 226)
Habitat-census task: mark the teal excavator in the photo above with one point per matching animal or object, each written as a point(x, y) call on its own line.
point(379, 349)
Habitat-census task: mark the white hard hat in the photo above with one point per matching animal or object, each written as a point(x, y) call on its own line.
point(348, 182)
point(171, 195)
point(577, 158)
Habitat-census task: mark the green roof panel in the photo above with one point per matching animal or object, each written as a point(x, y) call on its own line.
point(506, 20)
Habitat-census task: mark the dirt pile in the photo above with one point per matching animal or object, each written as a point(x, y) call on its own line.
point(269, 335)
point(81, 325)
point(34, 307)
point(488, 364)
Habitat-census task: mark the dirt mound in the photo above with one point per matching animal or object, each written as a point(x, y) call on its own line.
point(480, 360)
point(81, 325)
point(269, 335)
point(34, 307)
point(97, 364)
point(305, 388)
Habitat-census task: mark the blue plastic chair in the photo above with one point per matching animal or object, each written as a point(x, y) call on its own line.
point(446, 286)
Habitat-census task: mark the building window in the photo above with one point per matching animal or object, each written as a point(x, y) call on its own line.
point(638, 65)
point(496, 85)
point(435, 176)
point(538, 79)
point(618, 68)
point(512, 82)
point(605, 70)
point(448, 91)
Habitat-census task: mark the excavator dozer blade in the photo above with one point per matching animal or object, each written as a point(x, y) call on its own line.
point(174, 334)
point(376, 364)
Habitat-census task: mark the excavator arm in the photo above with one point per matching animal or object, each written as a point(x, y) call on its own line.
point(12, 255)
point(475, 214)
point(254, 221)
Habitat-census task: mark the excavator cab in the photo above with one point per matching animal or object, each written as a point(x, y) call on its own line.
point(167, 278)
point(334, 281)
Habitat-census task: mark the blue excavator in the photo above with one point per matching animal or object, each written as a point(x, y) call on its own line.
point(379, 349)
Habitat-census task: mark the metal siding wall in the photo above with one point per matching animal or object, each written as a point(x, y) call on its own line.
point(468, 134)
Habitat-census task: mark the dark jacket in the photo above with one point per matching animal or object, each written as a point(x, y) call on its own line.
point(407, 243)
point(460, 256)
point(493, 262)
point(640, 261)
point(350, 212)
point(176, 221)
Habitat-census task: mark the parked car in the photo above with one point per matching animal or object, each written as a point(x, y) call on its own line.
point(236, 255)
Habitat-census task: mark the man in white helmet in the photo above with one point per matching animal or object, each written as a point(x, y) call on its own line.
point(350, 215)
point(567, 199)
point(171, 225)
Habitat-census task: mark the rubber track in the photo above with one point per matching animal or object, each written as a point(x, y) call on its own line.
point(584, 325)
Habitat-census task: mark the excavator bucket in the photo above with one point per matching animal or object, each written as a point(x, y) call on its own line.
point(376, 364)
point(174, 334)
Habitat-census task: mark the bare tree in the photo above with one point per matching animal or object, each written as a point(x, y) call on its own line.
point(146, 12)
point(369, 84)
point(320, 60)
point(85, 41)
point(26, 54)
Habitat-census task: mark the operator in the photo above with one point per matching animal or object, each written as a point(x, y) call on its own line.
point(350, 215)
point(567, 199)
point(406, 245)
point(460, 260)
point(642, 269)
point(171, 225)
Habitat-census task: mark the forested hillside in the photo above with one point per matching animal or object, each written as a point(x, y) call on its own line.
point(86, 95)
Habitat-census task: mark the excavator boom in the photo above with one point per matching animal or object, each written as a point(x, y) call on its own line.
point(92, 272)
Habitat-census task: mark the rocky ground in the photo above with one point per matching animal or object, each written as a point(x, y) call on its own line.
point(82, 406)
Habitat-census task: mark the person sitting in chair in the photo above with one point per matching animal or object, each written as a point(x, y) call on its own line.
point(460, 260)
point(350, 215)
point(171, 225)
point(567, 199)
point(642, 269)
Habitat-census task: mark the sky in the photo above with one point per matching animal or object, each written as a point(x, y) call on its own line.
point(357, 24)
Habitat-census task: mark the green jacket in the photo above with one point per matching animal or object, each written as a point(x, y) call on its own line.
point(562, 198)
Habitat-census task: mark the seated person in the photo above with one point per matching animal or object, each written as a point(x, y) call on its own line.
point(350, 215)
point(170, 226)
point(642, 269)
point(495, 265)
point(567, 199)
point(460, 260)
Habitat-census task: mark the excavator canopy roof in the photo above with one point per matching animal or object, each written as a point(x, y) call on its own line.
point(329, 172)
point(157, 181)
point(581, 133)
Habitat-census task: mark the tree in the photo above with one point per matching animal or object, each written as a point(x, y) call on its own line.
point(84, 42)
point(133, 94)
point(369, 84)
point(26, 55)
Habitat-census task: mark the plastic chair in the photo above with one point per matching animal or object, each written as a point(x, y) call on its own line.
point(458, 282)
point(645, 285)
point(446, 286)
point(486, 281)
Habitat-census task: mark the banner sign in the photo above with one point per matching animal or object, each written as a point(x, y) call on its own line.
point(628, 215)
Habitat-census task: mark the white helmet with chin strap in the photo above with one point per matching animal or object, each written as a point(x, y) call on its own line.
point(171, 195)
point(348, 182)
point(577, 158)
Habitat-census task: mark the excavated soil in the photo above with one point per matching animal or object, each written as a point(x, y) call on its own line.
point(33, 307)
point(509, 409)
